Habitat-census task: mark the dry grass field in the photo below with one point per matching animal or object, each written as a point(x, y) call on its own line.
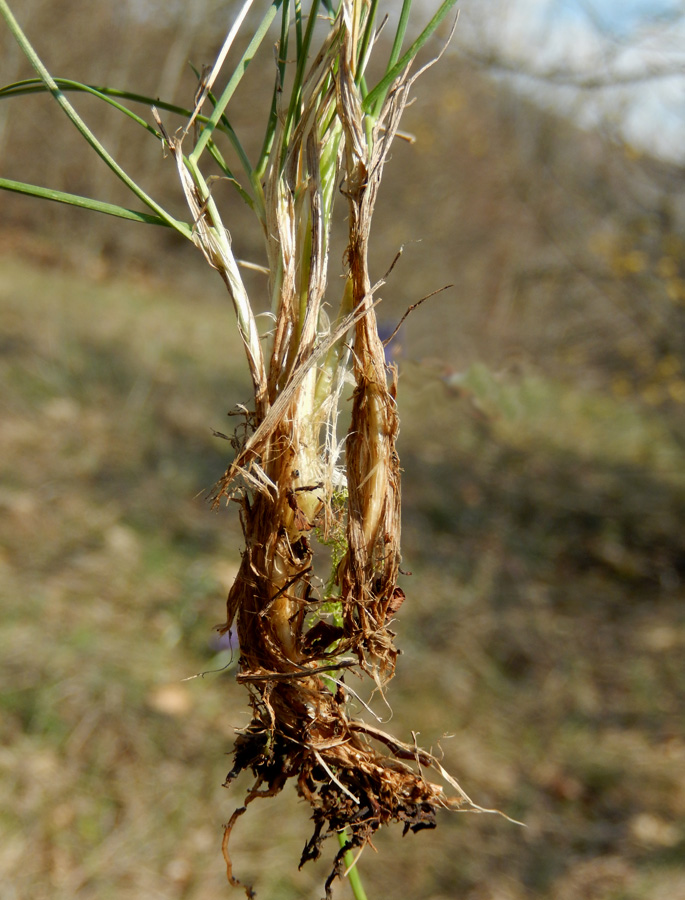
point(543, 636)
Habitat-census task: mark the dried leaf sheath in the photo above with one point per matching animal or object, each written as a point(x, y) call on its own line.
point(370, 569)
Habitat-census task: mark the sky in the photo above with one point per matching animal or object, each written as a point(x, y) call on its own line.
point(595, 38)
point(618, 18)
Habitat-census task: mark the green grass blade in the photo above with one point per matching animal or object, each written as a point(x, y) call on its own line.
point(281, 64)
point(66, 84)
point(110, 209)
point(298, 26)
point(235, 79)
point(37, 86)
point(400, 33)
point(225, 126)
point(216, 155)
point(296, 93)
point(78, 122)
point(365, 44)
point(374, 99)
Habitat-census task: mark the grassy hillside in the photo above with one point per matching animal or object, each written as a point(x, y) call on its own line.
point(542, 639)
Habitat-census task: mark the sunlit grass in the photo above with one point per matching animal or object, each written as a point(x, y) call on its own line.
point(531, 409)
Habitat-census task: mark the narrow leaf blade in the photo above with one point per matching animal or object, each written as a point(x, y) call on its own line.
point(110, 209)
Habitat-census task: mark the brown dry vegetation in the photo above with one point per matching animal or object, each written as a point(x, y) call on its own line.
point(543, 509)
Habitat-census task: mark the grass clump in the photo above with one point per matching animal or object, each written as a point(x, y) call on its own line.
point(327, 133)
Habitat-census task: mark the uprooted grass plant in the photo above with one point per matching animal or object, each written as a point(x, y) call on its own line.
point(309, 498)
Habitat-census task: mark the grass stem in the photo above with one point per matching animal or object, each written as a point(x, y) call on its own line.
point(352, 871)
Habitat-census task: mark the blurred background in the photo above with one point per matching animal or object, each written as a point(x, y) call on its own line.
point(543, 439)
